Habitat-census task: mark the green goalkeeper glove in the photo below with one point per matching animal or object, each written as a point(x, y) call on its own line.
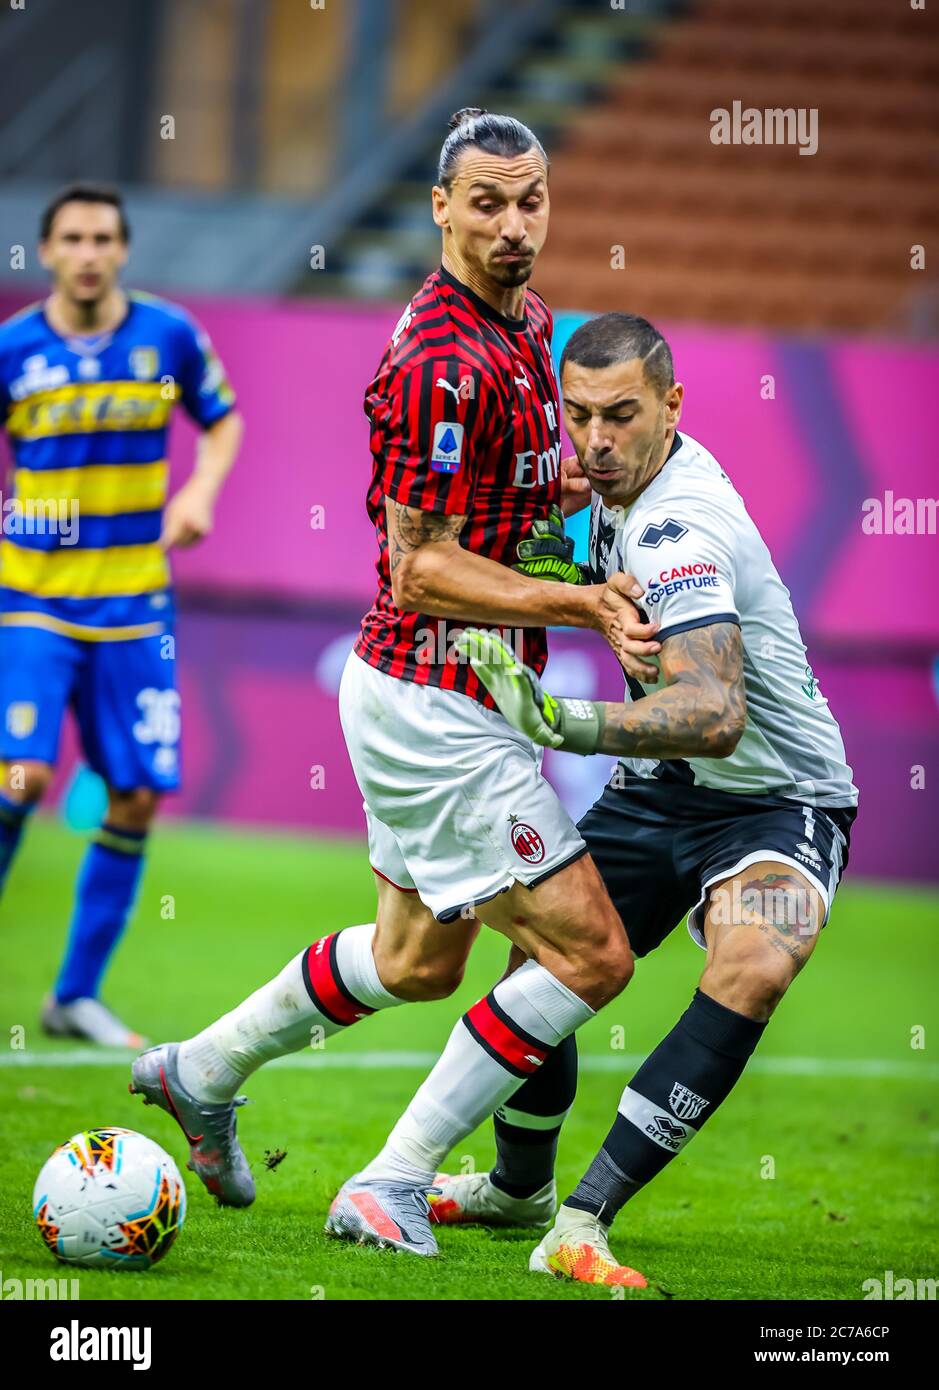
point(572, 725)
point(547, 553)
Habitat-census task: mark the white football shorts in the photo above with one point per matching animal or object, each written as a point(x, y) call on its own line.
point(456, 805)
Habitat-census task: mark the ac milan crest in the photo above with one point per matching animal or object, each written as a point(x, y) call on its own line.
point(527, 843)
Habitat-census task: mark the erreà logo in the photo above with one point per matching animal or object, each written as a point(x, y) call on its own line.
point(657, 532)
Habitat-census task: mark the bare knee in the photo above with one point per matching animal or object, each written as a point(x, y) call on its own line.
point(569, 924)
point(27, 782)
point(599, 969)
point(419, 979)
point(132, 810)
point(749, 977)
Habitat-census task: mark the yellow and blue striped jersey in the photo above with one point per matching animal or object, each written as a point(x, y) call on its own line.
point(87, 420)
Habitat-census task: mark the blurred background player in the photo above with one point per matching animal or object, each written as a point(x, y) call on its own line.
point(88, 381)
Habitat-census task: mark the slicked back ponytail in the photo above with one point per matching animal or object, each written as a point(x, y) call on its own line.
point(474, 128)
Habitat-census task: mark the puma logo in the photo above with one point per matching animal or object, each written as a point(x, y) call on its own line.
point(446, 386)
point(463, 392)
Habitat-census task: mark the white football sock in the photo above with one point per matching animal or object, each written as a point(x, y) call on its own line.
point(282, 1015)
point(491, 1051)
point(358, 969)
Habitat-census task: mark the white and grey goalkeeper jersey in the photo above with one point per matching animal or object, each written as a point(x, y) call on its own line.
point(701, 560)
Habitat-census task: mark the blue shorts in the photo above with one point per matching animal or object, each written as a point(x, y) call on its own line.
point(660, 846)
point(123, 695)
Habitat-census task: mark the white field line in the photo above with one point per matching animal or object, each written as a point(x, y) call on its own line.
point(620, 1062)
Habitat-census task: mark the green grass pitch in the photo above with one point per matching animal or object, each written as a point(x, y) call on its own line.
point(837, 1105)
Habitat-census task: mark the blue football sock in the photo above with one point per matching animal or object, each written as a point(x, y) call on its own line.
point(107, 883)
point(12, 819)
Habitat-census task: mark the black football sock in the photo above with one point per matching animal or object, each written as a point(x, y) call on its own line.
point(675, 1090)
point(528, 1125)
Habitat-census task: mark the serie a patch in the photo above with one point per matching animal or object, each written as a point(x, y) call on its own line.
point(447, 451)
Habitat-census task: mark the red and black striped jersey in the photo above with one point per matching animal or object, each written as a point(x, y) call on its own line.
point(465, 420)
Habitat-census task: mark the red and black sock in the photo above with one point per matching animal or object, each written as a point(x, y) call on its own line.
point(528, 1125)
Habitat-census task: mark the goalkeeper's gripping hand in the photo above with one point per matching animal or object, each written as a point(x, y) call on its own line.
point(547, 553)
point(572, 725)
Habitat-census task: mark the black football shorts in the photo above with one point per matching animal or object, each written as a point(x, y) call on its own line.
point(661, 845)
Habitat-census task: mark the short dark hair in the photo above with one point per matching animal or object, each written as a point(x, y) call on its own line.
point(474, 127)
point(84, 193)
point(611, 338)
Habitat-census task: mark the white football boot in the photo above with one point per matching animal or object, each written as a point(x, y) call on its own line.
point(472, 1199)
point(576, 1248)
point(215, 1155)
point(383, 1212)
point(88, 1019)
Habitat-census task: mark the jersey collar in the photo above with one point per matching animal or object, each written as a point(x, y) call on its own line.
point(486, 310)
point(89, 344)
point(677, 442)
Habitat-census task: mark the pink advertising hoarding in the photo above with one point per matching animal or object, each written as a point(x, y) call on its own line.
point(809, 432)
point(815, 435)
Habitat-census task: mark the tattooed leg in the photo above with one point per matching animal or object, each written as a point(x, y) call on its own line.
point(761, 927)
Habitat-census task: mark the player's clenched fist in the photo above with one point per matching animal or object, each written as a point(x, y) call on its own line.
point(547, 552)
point(575, 486)
point(632, 640)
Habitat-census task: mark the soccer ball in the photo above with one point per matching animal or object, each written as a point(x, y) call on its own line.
point(109, 1199)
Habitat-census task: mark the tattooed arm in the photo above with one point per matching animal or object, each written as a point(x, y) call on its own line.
point(410, 529)
point(432, 573)
point(702, 710)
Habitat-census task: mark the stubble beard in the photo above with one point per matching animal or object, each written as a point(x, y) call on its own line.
point(511, 276)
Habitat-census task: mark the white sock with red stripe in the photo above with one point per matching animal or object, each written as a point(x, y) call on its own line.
point(324, 989)
point(500, 1042)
